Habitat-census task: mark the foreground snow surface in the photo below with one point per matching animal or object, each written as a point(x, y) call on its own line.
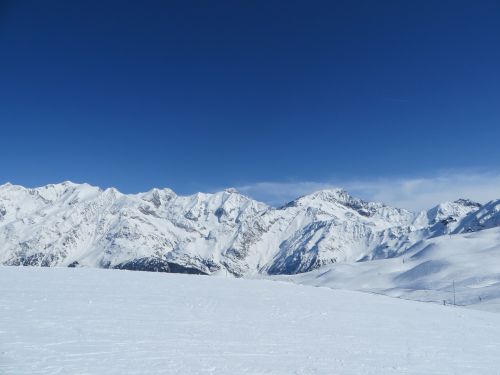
point(91, 321)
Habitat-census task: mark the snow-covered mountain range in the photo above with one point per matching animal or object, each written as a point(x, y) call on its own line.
point(77, 225)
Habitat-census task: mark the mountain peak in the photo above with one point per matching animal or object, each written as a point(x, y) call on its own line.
point(450, 212)
point(326, 195)
point(338, 194)
point(231, 190)
point(467, 203)
point(163, 191)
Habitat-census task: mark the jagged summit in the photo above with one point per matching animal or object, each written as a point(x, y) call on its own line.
point(69, 224)
point(324, 196)
point(467, 203)
point(338, 194)
point(333, 194)
point(448, 212)
point(231, 190)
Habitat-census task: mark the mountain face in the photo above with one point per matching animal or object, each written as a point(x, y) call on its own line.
point(76, 225)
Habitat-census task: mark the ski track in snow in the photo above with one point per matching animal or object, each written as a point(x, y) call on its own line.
point(91, 321)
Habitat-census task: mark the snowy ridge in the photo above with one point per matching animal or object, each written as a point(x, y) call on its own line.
point(76, 225)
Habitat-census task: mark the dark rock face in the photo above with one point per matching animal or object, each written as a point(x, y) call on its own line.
point(157, 265)
point(448, 220)
point(177, 268)
point(35, 260)
point(298, 262)
point(293, 264)
point(468, 203)
point(219, 213)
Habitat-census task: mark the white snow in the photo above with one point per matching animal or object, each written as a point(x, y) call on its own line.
point(92, 321)
point(464, 267)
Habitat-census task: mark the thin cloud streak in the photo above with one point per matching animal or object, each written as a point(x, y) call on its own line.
point(411, 193)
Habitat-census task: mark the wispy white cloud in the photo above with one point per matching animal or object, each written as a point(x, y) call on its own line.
point(414, 193)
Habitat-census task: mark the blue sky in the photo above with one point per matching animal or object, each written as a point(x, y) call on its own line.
point(202, 95)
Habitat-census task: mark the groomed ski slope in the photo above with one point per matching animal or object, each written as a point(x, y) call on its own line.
point(91, 321)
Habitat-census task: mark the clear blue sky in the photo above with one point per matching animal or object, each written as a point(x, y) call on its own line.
point(197, 95)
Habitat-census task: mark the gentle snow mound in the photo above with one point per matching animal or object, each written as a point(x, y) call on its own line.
point(461, 268)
